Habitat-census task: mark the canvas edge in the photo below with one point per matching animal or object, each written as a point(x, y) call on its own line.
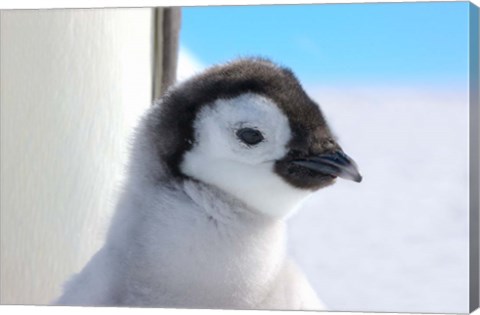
point(474, 156)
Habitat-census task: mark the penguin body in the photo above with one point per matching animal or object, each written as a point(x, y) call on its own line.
point(216, 167)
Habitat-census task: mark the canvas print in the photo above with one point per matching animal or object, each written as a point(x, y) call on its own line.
point(283, 157)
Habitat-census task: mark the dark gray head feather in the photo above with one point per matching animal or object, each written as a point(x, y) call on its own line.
point(171, 121)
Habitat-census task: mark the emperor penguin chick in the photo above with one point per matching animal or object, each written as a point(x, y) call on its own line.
point(217, 165)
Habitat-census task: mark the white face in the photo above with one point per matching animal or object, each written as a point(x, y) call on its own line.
point(220, 158)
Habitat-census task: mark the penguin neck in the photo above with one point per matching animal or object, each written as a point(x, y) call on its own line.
point(223, 208)
point(201, 244)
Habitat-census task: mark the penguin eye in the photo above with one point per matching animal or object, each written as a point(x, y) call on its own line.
point(250, 136)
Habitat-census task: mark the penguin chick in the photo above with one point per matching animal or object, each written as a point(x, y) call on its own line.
point(216, 166)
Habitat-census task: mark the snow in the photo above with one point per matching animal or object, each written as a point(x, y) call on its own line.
point(188, 65)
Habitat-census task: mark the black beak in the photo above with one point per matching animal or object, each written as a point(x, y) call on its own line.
point(334, 164)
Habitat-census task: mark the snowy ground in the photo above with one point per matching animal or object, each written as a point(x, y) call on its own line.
point(398, 241)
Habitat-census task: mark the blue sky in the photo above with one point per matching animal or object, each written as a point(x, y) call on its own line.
point(392, 43)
